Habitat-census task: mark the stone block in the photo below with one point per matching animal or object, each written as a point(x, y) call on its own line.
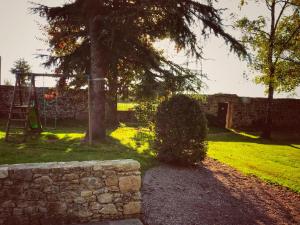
point(34, 195)
point(126, 222)
point(8, 204)
point(86, 194)
point(17, 212)
point(92, 182)
point(95, 206)
point(111, 181)
point(83, 212)
point(105, 198)
point(132, 208)
point(51, 189)
point(23, 174)
point(43, 180)
point(79, 200)
point(128, 165)
point(57, 207)
point(71, 176)
point(3, 172)
point(109, 209)
point(120, 165)
point(129, 183)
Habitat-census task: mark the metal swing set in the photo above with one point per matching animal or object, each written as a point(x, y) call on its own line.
point(24, 115)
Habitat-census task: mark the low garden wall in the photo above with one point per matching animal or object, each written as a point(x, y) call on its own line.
point(69, 192)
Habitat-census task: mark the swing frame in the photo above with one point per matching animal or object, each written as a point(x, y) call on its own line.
point(45, 101)
point(32, 105)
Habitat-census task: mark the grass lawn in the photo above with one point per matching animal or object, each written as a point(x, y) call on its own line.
point(126, 106)
point(274, 161)
point(65, 145)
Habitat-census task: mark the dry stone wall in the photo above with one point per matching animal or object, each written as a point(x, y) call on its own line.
point(68, 105)
point(245, 112)
point(69, 192)
point(71, 104)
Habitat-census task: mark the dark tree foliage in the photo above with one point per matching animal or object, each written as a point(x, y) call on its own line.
point(127, 30)
point(181, 129)
point(21, 67)
point(123, 32)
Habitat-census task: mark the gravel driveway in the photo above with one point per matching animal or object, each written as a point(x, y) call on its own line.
point(214, 194)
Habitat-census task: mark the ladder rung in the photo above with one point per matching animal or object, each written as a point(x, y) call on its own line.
point(17, 112)
point(22, 106)
point(12, 133)
point(12, 127)
point(21, 120)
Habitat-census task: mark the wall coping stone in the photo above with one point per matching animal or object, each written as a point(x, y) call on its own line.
point(122, 164)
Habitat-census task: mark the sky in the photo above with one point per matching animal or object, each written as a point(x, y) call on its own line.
point(20, 38)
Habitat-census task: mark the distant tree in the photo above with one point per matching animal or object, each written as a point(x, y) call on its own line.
point(22, 68)
point(120, 34)
point(274, 41)
point(7, 82)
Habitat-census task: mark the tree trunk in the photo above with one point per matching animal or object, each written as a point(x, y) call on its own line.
point(112, 101)
point(112, 116)
point(97, 129)
point(268, 123)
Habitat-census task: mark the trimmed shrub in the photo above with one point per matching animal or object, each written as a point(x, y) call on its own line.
point(181, 129)
point(145, 113)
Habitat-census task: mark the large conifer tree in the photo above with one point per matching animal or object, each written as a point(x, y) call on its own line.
point(122, 32)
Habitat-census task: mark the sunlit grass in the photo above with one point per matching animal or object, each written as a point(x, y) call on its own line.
point(126, 106)
point(246, 134)
point(274, 161)
point(135, 138)
point(56, 145)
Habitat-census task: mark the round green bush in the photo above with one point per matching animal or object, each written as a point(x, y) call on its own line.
point(181, 129)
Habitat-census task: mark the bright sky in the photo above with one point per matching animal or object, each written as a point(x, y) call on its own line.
point(19, 38)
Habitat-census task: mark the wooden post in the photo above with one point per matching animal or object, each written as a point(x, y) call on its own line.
point(89, 108)
point(0, 70)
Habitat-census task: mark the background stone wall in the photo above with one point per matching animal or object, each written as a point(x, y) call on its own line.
point(68, 105)
point(71, 105)
point(245, 112)
point(71, 192)
point(242, 112)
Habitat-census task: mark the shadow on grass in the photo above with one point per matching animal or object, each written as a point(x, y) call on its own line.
point(279, 138)
point(293, 146)
point(66, 145)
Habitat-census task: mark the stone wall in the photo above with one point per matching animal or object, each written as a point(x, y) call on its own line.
point(245, 112)
point(242, 112)
point(69, 192)
point(68, 105)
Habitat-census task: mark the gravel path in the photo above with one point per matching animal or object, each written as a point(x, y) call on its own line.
point(214, 194)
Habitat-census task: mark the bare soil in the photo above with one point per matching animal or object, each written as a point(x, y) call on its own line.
point(214, 194)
